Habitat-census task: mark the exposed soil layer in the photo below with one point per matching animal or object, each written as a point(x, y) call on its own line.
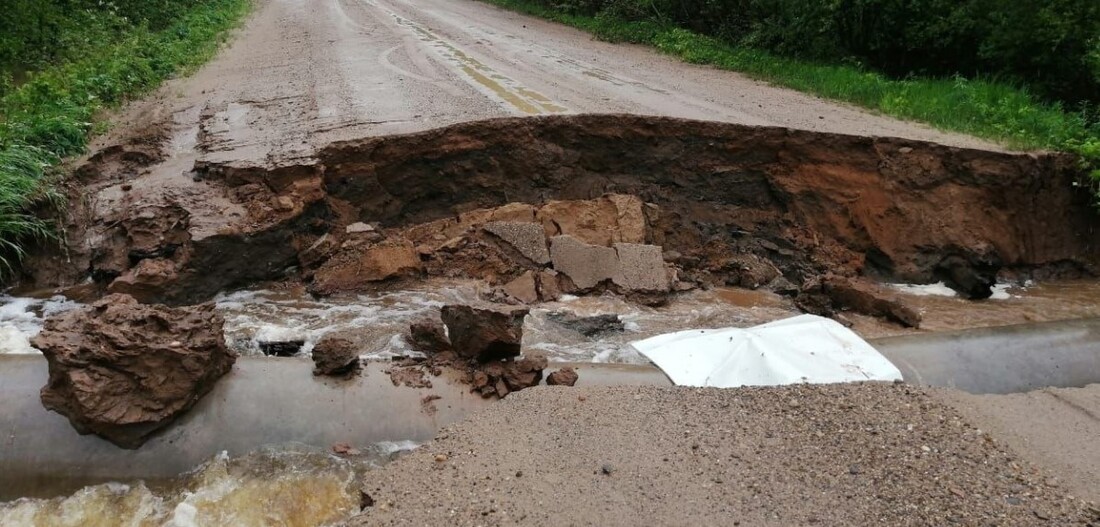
point(727, 203)
point(882, 454)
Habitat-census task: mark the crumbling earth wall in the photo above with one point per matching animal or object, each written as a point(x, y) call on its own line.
point(725, 202)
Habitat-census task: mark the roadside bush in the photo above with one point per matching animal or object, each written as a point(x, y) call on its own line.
point(1052, 46)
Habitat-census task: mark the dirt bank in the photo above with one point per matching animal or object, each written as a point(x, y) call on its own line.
point(723, 201)
point(832, 455)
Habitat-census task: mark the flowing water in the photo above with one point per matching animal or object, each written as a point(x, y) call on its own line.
point(377, 322)
point(300, 486)
point(289, 486)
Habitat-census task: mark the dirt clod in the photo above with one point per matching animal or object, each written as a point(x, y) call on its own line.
point(123, 370)
point(335, 356)
point(564, 377)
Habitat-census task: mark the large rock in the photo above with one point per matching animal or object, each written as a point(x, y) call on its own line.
point(484, 334)
point(428, 335)
point(564, 377)
point(146, 281)
point(351, 269)
point(500, 378)
point(603, 221)
point(524, 288)
point(870, 299)
point(123, 370)
point(973, 281)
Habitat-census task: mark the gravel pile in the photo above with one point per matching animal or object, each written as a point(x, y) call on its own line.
point(870, 454)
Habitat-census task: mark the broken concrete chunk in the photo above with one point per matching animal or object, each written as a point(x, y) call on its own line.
point(527, 238)
point(335, 356)
point(586, 265)
point(358, 227)
point(564, 377)
point(484, 334)
point(641, 268)
point(123, 370)
point(523, 288)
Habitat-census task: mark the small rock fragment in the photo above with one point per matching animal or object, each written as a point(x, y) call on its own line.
point(563, 377)
point(335, 356)
point(284, 348)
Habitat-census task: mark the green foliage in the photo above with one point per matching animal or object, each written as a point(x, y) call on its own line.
point(994, 109)
point(1050, 45)
point(99, 54)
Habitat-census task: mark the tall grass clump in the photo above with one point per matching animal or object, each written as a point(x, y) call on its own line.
point(73, 59)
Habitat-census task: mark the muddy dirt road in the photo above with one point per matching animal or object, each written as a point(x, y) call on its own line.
point(302, 74)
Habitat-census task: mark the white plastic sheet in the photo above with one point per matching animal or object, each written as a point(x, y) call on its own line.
point(804, 348)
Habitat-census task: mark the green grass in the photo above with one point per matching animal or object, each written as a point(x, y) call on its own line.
point(988, 109)
point(53, 114)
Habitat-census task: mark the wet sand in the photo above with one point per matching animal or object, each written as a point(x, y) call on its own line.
point(871, 454)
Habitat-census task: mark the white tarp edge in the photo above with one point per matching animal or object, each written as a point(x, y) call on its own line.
point(804, 348)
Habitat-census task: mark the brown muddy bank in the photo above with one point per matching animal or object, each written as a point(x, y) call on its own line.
point(727, 203)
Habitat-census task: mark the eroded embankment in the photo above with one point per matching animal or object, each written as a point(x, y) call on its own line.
point(731, 204)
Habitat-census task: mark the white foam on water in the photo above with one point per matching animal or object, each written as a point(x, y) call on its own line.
point(22, 318)
point(936, 289)
point(1000, 291)
point(290, 486)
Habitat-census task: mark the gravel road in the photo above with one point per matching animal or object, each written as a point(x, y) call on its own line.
point(301, 74)
point(863, 454)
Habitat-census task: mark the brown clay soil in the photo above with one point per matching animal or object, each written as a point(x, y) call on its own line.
point(870, 454)
point(229, 177)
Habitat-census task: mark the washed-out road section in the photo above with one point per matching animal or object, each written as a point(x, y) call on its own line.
point(301, 74)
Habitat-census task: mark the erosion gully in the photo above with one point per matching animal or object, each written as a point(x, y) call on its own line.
point(753, 224)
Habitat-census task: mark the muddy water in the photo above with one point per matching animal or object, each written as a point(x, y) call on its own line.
point(377, 321)
point(1010, 304)
point(289, 486)
point(301, 486)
